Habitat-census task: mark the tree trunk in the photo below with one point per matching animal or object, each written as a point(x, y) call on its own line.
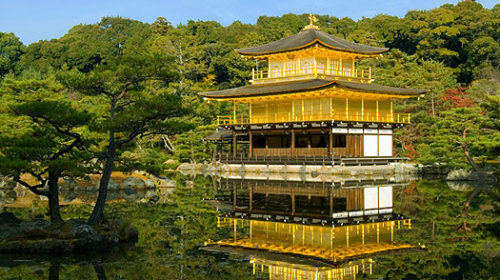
point(53, 196)
point(97, 215)
point(466, 152)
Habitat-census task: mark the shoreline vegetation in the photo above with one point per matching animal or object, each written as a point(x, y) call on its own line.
point(121, 95)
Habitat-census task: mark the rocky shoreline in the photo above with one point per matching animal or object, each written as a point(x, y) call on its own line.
point(71, 237)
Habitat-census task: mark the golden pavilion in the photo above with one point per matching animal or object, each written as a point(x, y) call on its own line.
point(311, 98)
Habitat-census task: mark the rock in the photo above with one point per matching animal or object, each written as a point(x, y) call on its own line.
point(68, 196)
point(9, 225)
point(166, 183)
point(458, 175)
point(48, 245)
point(459, 186)
point(112, 195)
point(149, 194)
point(112, 186)
point(6, 183)
point(133, 182)
point(67, 184)
point(128, 233)
point(132, 195)
point(8, 218)
point(33, 225)
point(154, 199)
point(150, 184)
point(130, 191)
point(9, 196)
point(189, 184)
point(83, 231)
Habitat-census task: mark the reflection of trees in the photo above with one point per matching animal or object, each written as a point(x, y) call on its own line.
point(99, 271)
point(453, 253)
point(54, 269)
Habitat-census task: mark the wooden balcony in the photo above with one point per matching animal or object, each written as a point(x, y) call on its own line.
point(400, 118)
point(309, 72)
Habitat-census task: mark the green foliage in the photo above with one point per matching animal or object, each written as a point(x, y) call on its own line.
point(188, 146)
point(438, 49)
point(41, 131)
point(458, 127)
point(11, 50)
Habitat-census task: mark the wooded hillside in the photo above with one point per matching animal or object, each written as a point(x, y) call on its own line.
point(453, 51)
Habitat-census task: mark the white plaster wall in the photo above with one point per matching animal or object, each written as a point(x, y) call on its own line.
point(370, 145)
point(385, 145)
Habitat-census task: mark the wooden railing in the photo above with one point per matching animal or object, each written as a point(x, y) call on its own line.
point(283, 118)
point(312, 70)
point(243, 158)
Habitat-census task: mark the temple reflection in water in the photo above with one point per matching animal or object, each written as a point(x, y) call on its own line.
point(339, 225)
point(287, 270)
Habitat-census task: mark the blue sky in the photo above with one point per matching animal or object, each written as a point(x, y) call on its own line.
point(33, 20)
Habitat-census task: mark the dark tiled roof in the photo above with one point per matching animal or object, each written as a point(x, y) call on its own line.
point(305, 85)
point(219, 135)
point(308, 37)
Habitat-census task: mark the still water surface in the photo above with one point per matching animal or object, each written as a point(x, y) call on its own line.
point(453, 234)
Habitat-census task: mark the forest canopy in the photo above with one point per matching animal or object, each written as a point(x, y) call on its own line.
point(453, 51)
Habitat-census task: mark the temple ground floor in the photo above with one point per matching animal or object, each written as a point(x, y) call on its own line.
point(310, 141)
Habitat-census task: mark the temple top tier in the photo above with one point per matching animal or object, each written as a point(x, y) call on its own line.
point(310, 37)
point(311, 54)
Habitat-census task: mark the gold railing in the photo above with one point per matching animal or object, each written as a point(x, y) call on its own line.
point(282, 118)
point(312, 70)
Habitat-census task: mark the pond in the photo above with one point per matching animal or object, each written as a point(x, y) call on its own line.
point(444, 232)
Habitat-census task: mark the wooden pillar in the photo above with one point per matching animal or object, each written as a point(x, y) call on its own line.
point(235, 227)
point(298, 67)
point(302, 109)
point(250, 112)
point(392, 114)
point(235, 145)
point(234, 112)
point(332, 115)
point(234, 196)
point(353, 71)
point(363, 234)
point(330, 142)
point(331, 202)
point(378, 232)
point(250, 198)
point(392, 231)
point(292, 147)
point(315, 66)
point(347, 109)
point(267, 113)
point(347, 235)
point(267, 148)
point(250, 144)
point(362, 109)
point(293, 203)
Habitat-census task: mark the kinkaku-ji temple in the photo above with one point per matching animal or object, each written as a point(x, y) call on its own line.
point(310, 99)
point(306, 230)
